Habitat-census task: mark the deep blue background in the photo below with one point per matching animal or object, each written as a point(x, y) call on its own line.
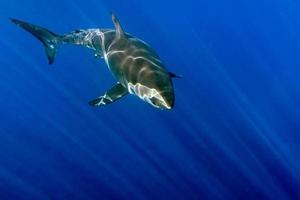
point(233, 134)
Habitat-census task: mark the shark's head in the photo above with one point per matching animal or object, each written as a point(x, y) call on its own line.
point(162, 100)
point(158, 92)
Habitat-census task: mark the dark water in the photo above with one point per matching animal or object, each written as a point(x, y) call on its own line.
point(233, 134)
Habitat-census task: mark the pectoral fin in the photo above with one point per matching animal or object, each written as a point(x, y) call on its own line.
point(173, 75)
point(113, 94)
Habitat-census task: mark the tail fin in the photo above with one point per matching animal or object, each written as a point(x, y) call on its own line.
point(50, 40)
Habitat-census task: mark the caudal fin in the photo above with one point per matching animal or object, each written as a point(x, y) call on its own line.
point(49, 39)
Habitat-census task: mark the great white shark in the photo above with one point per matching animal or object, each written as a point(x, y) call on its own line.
point(135, 65)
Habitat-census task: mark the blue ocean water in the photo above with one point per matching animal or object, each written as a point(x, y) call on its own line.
point(234, 132)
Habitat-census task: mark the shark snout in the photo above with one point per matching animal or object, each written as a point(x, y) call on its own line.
point(163, 101)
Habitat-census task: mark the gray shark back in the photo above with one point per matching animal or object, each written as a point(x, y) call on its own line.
point(138, 68)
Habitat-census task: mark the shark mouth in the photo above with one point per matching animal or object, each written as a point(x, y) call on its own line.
point(149, 95)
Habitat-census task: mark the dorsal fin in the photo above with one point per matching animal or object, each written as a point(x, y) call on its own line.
point(119, 30)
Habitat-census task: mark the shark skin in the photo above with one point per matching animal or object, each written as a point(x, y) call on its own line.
point(134, 64)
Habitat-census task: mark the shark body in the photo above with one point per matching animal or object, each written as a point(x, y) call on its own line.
point(135, 65)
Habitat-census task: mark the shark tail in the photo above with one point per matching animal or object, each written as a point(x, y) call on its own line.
point(50, 40)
